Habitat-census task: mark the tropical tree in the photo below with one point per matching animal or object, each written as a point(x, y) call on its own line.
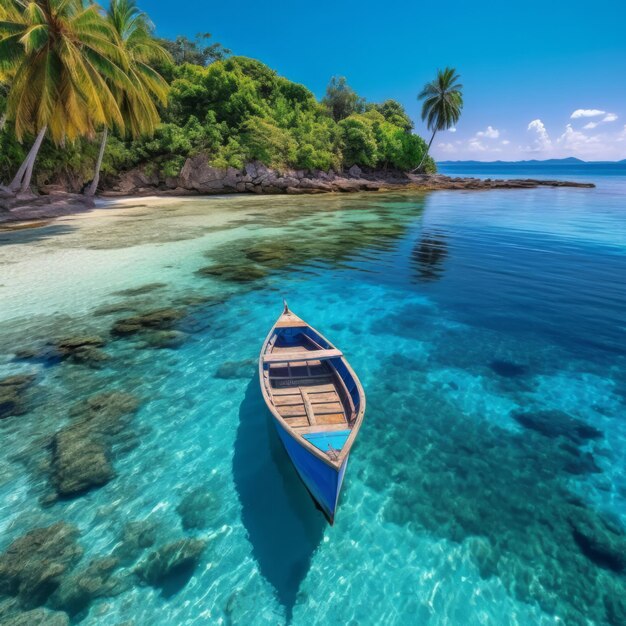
point(341, 100)
point(443, 101)
point(394, 113)
point(61, 57)
point(195, 51)
point(136, 98)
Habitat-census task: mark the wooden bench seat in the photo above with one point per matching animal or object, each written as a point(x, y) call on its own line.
point(305, 355)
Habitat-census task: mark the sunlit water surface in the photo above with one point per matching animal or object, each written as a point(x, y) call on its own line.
point(488, 330)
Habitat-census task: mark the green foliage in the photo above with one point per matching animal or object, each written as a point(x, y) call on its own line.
point(235, 110)
point(442, 102)
point(265, 142)
point(196, 51)
point(341, 100)
point(230, 155)
point(12, 154)
point(359, 141)
point(394, 113)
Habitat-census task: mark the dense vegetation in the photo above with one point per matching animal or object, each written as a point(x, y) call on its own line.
point(234, 109)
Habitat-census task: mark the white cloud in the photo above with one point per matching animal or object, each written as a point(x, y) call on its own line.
point(477, 146)
point(590, 125)
point(490, 133)
point(541, 140)
point(610, 117)
point(446, 147)
point(576, 141)
point(586, 113)
point(452, 130)
point(505, 142)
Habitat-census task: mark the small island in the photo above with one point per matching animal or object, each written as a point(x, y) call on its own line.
point(197, 120)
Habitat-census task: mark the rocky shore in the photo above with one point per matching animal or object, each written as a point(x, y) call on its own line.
point(197, 177)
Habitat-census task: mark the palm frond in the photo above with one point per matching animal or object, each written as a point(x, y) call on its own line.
point(442, 100)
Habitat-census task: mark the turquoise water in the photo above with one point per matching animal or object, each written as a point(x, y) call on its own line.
point(488, 483)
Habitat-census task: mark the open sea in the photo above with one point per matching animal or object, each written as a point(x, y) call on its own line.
point(488, 483)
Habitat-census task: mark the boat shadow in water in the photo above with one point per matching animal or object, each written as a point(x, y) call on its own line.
point(283, 525)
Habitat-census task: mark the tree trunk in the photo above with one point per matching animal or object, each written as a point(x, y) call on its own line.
point(29, 161)
point(91, 191)
point(419, 167)
point(14, 185)
point(3, 121)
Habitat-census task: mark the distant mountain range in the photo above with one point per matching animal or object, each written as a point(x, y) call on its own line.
point(567, 161)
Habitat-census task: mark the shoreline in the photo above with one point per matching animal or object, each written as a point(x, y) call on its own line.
point(33, 211)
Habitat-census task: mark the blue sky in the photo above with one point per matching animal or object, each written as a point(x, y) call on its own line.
point(527, 66)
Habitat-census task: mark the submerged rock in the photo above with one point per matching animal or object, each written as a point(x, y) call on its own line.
point(508, 369)
point(273, 253)
point(79, 589)
point(110, 309)
point(69, 345)
point(37, 617)
point(159, 319)
point(140, 291)
point(79, 461)
point(600, 542)
point(615, 606)
point(236, 369)
point(197, 508)
point(12, 394)
point(233, 273)
point(554, 424)
point(580, 462)
point(81, 452)
point(90, 356)
point(170, 560)
point(165, 339)
point(32, 566)
point(84, 349)
point(135, 538)
point(104, 413)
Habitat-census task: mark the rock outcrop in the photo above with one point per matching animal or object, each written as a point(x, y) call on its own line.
point(81, 452)
point(168, 561)
point(198, 176)
point(32, 566)
point(81, 587)
point(159, 319)
point(83, 349)
point(12, 391)
point(35, 617)
point(135, 537)
point(197, 508)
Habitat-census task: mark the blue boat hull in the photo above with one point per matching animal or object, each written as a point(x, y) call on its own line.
point(323, 481)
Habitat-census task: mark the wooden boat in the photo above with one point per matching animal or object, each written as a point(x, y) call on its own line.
point(317, 403)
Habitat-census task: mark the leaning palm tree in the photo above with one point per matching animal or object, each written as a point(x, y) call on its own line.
point(4, 90)
point(62, 57)
point(134, 32)
point(443, 101)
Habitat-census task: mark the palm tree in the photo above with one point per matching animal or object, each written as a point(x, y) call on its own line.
point(134, 32)
point(62, 57)
point(443, 101)
point(4, 90)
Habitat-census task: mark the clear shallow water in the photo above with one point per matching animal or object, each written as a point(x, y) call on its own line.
point(488, 485)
